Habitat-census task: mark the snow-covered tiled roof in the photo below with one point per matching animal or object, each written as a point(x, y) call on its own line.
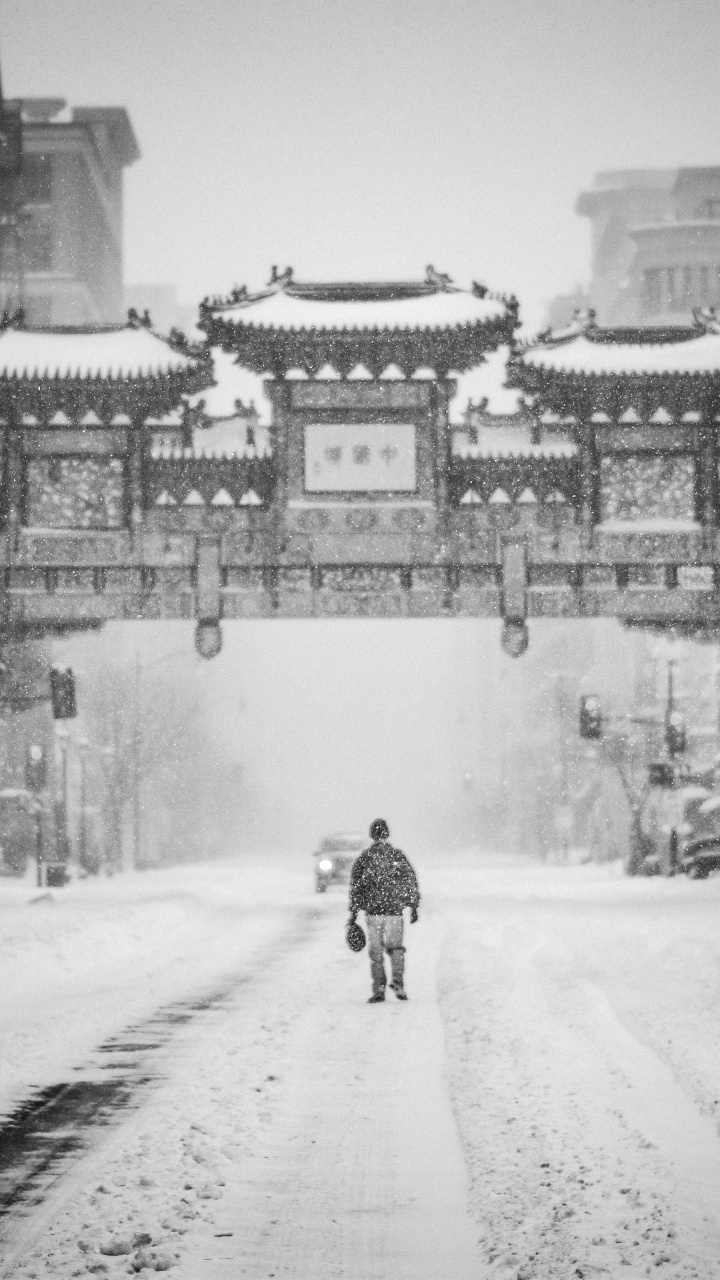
point(128, 352)
point(584, 354)
point(236, 390)
point(432, 304)
point(485, 383)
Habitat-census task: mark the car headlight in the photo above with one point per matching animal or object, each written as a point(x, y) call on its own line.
point(325, 864)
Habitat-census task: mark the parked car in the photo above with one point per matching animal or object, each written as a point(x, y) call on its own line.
point(698, 841)
point(334, 858)
point(668, 819)
point(17, 831)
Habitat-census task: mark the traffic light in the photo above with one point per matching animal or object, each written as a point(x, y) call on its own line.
point(660, 774)
point(675, 734)
point(590, 717)
point(62, 693)
point(35, 767)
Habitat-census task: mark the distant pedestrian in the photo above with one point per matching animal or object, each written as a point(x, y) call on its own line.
point(382, 884)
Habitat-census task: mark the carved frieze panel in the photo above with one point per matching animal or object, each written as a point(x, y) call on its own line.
point(346, 518)
point(362, 521)
point(359, 395)
point(411, 519)
point(245, 579)
point(122, 580)
point(167, 549)
point(646, 575)
point(677, 439)
point(549, 575)
point(295, 580)
point(389, 604)
point(362, 578)
point(423, 579)
point(310, 521)
point(75, 493)
point(169, 581)
point(666, 545)
point(599, 575)
point(60, 441)
point(75, 580)
point(95, 549)
point(696, 577)
point(644, 487)
point(28, 580)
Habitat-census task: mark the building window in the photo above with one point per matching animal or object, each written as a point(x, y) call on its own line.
point(703, 291)
point(652, 292)
point(37, 179)
point(38, 308)
point(687, 288)
point(38, 246)
point(675, 289)
point(709, 209)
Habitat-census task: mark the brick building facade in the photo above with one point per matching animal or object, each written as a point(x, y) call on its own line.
point(65, 266)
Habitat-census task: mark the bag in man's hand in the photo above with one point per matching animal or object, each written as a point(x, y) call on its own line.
point(355, 936)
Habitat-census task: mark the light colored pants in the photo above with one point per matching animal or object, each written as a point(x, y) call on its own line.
point(385, 933)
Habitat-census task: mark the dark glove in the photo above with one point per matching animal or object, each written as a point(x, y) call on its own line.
point(413, 915)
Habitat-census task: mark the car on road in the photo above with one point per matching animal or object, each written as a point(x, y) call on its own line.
point(669, 820)
point(698, 842)
point(334, 858)
point(18, 838)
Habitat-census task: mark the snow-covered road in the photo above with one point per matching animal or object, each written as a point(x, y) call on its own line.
point(546, 1104)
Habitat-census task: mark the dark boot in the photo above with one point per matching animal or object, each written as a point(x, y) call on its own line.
point(397, 965)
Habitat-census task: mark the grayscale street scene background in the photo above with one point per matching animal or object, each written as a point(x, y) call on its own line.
point(359, 459)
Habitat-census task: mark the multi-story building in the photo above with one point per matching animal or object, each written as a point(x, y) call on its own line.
point(64, 265)
point(655, 244)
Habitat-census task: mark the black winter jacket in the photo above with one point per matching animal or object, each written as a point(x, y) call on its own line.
point(383, 881)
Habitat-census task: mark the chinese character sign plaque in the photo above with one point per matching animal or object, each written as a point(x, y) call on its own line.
point(360, 457)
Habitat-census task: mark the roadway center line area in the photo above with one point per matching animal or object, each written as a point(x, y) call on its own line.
point(544, 1104)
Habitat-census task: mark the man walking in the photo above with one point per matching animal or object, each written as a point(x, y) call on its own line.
point(382, 884)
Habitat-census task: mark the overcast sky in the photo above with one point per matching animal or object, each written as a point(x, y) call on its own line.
point(367, 138)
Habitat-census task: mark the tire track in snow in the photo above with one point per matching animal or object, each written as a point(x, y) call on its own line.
point(53, 1141)
point(686, 1141)
point(563, 1180)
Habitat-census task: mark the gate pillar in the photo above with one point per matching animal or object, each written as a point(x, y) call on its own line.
point(514, 554)
point(208, 636)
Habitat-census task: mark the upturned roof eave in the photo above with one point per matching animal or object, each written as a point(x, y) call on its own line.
point(610, 375)
point(252, 330)
point(82, 379)
point(133, 396)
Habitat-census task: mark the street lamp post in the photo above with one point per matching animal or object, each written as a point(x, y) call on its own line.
point(113, 862)
point(63, 737)
point(83, 747)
